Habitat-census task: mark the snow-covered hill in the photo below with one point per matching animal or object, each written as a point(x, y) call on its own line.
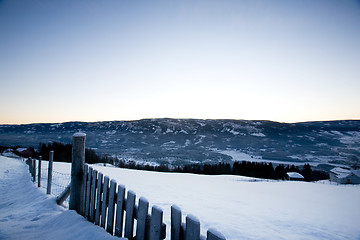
point(182, 141)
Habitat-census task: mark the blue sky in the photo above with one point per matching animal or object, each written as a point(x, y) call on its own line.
point(286, 61)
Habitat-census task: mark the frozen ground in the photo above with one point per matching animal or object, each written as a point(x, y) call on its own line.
point(310, 159)
point(242, 208)
point(27, 213)
point(239, 207)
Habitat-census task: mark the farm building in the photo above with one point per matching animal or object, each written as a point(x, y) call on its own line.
point(345, 176)
point(294, 176)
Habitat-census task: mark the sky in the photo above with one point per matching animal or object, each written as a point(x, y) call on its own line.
point(87, 60)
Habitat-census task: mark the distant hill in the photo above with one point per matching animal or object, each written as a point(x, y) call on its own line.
point(182, 141)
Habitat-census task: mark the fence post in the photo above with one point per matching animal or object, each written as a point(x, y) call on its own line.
point(155, 223)
point(213, 234)
point(77, 171)
point(39, 173)
point(175, 223)
point(192, 228)
point(34, 169)
point(50, 168)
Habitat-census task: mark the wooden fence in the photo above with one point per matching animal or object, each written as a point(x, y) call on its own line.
point(105, 205)
point(32, 169)
point(101, 201)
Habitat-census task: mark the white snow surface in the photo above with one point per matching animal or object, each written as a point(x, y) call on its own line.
point(248, 208)
point(295, 175)
point(27, 213)
point(238, 207)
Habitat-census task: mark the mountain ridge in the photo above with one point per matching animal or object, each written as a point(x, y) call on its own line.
point(183, 141)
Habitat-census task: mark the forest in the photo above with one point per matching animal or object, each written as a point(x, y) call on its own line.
point(62, 153)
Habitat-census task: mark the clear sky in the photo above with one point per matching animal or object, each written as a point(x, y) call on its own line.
point(88, 60)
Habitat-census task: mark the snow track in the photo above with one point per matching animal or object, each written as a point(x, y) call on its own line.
point(27, 213)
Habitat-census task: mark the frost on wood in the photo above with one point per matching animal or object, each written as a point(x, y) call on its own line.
point(77, 171)
point(213, 234)
point(79, 134)
point(192, 228)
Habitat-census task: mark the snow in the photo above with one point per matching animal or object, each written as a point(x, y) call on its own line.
point(21, 149)
point(27, 213)
point(79, 134)
point(169, 131)
point(238, 207)
point(295, 175)
point(183, 131)
point(241, 207)
point(356, 172)
point(240, 156)
point(111, 132)
point(340, 172)
point(9, 153)
point(258, 134)
point(237, 155)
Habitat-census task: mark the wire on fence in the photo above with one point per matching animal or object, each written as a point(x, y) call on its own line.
point(59, 182)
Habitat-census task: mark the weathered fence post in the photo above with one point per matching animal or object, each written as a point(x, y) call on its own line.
point(141, 218)
point(129, 218)
point(213, 234)
point(192, 228)
point(50, 168)
point(175, 223)
point(77, 171)
point(33, 165)
point(155, 223)
point(39, 173)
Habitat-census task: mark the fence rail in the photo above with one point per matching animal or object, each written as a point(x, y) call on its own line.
point(109, 205)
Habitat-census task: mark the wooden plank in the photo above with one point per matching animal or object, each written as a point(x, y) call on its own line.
point(120, 203)
point(93, 196)
point(104, 201)
point(98, 198)
point(39, 173)
point(84, 189)
point(50, 171)
point(147, 226)
point(163, 231)
point(129, 219)
point(88, 190)
point(63, 196)
point(182, 231)
point(141, 219)
point(192, 228)
point(34, 169)
point(175, 222)
point(213, 234)
point(77, 171)
point(111, 209)
point(155, 223)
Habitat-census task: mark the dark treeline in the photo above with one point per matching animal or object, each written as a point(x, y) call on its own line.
point(63, 152)
point(244, 168)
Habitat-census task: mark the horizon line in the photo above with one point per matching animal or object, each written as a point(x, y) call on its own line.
point(205, 119)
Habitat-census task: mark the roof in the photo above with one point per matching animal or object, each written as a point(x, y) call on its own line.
point(21, 149)
point(356, 172)
point(295, 175)
point(340, 172)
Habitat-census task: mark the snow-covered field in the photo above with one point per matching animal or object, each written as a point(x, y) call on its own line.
point(239, 207)
point(27, 213)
